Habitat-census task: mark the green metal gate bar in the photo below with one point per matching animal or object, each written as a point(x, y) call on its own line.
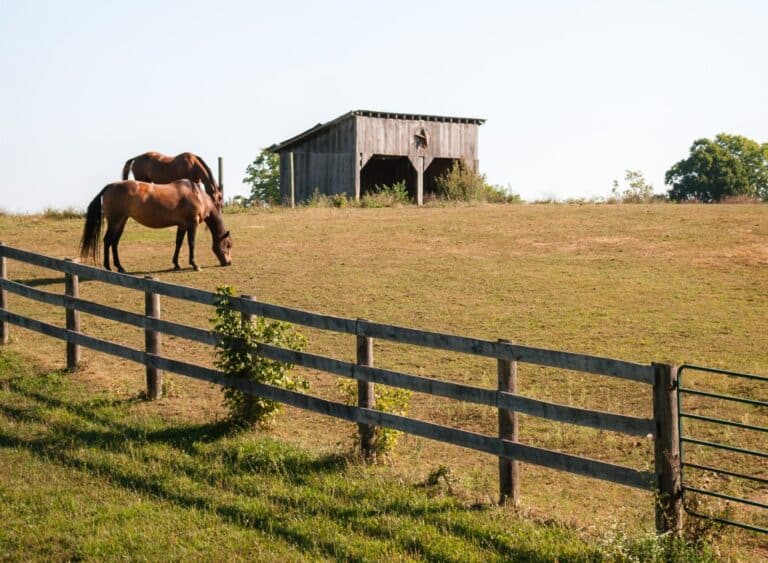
point(689, 440)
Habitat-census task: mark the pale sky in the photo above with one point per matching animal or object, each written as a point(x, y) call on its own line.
point(574, 93)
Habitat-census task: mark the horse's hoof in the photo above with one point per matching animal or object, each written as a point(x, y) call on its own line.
point(121, 271)
point(196, 268)
point(176, 267)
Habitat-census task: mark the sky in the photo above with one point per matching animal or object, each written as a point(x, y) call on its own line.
point(574, 93)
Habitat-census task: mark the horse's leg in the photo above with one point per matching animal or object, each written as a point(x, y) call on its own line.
point(180, 232)
point(107, 244)
point(191, 232)
point(118, 233)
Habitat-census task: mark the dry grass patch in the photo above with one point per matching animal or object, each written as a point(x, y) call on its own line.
point(641, 283)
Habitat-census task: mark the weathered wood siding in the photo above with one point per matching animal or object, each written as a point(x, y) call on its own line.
point(323, 162)
point(397, 137)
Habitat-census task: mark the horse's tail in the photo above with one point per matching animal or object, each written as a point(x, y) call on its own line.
point(89, 243)
point(127, 167)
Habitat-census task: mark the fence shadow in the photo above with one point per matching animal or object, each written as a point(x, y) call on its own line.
point(298, 487)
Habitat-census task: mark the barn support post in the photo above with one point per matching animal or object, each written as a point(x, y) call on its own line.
point(4, 335)
point(669, 505)
point(420, 180)
point(509, 470)
point(358, 170)
point(152, 344)
point(221, 174)
point(293, 180)
point(365, 396)
point(72, 289)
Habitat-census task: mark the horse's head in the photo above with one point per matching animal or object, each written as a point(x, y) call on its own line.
point(222, 248)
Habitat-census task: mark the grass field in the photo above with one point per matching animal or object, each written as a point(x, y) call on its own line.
point(639, 283)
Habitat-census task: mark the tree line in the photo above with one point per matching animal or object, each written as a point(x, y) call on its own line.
point(719, 169)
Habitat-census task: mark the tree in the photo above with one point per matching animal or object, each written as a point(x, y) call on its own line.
point(731, 165)
point(636, 190)
point(263, 175)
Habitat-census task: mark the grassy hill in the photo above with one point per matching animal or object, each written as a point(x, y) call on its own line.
point(640, 283)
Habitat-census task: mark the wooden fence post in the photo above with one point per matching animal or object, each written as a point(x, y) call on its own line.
point(669, 506)
point(365, 396)
point(72, 289)
point(4, 335)
point(509, 470)
point(152, 344)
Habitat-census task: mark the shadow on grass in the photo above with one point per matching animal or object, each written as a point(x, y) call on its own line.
point(296, 508)
point(37, 282)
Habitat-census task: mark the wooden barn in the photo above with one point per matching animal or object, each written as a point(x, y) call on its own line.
point(362, 149)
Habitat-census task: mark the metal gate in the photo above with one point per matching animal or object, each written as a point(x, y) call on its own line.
point(706, 467)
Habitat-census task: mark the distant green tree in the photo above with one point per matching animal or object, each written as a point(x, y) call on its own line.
point(636, 188)
point(731, 165)
point(263, 175)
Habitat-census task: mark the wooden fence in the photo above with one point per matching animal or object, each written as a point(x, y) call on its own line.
point(661, 378)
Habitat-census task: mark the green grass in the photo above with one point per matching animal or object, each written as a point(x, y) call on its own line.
point(84, 475)
point(636, 282)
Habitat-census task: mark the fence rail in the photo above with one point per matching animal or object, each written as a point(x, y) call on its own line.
point(661, 377)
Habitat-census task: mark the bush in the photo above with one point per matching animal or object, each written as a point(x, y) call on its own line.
point(386, 399)
point(236, 355)
point(461, 183)
point(395, 195)
point(324, 200)
point(635, 190)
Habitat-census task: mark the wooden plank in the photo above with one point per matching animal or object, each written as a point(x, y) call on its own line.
point(295, 316)
point(293, 398)
point(582, 417)
point(113, 314)
point(499, 350)
point(123, 280)
point(522, 452)
point(79, 338)
point(466, 393)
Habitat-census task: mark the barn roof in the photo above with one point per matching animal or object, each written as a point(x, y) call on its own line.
point(277, 147)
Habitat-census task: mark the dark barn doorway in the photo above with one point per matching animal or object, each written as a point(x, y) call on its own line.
point(383, 170)
point(438, 167)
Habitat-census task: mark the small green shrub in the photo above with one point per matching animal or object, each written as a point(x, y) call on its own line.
point(334, 200)
point(635, 190)
point(386, 399)
point(236, 355)
point(461, 183)
point(387, 196)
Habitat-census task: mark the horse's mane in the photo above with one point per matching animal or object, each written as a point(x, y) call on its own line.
point(208, 171)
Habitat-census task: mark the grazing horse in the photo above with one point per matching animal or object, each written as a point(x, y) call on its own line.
point(162, 169)
point(179, 203)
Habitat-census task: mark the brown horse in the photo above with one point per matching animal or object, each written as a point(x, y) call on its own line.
point(162, 169)
point(179, 203)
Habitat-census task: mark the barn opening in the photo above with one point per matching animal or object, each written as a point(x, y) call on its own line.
point(438, 167)
point(382, 170)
